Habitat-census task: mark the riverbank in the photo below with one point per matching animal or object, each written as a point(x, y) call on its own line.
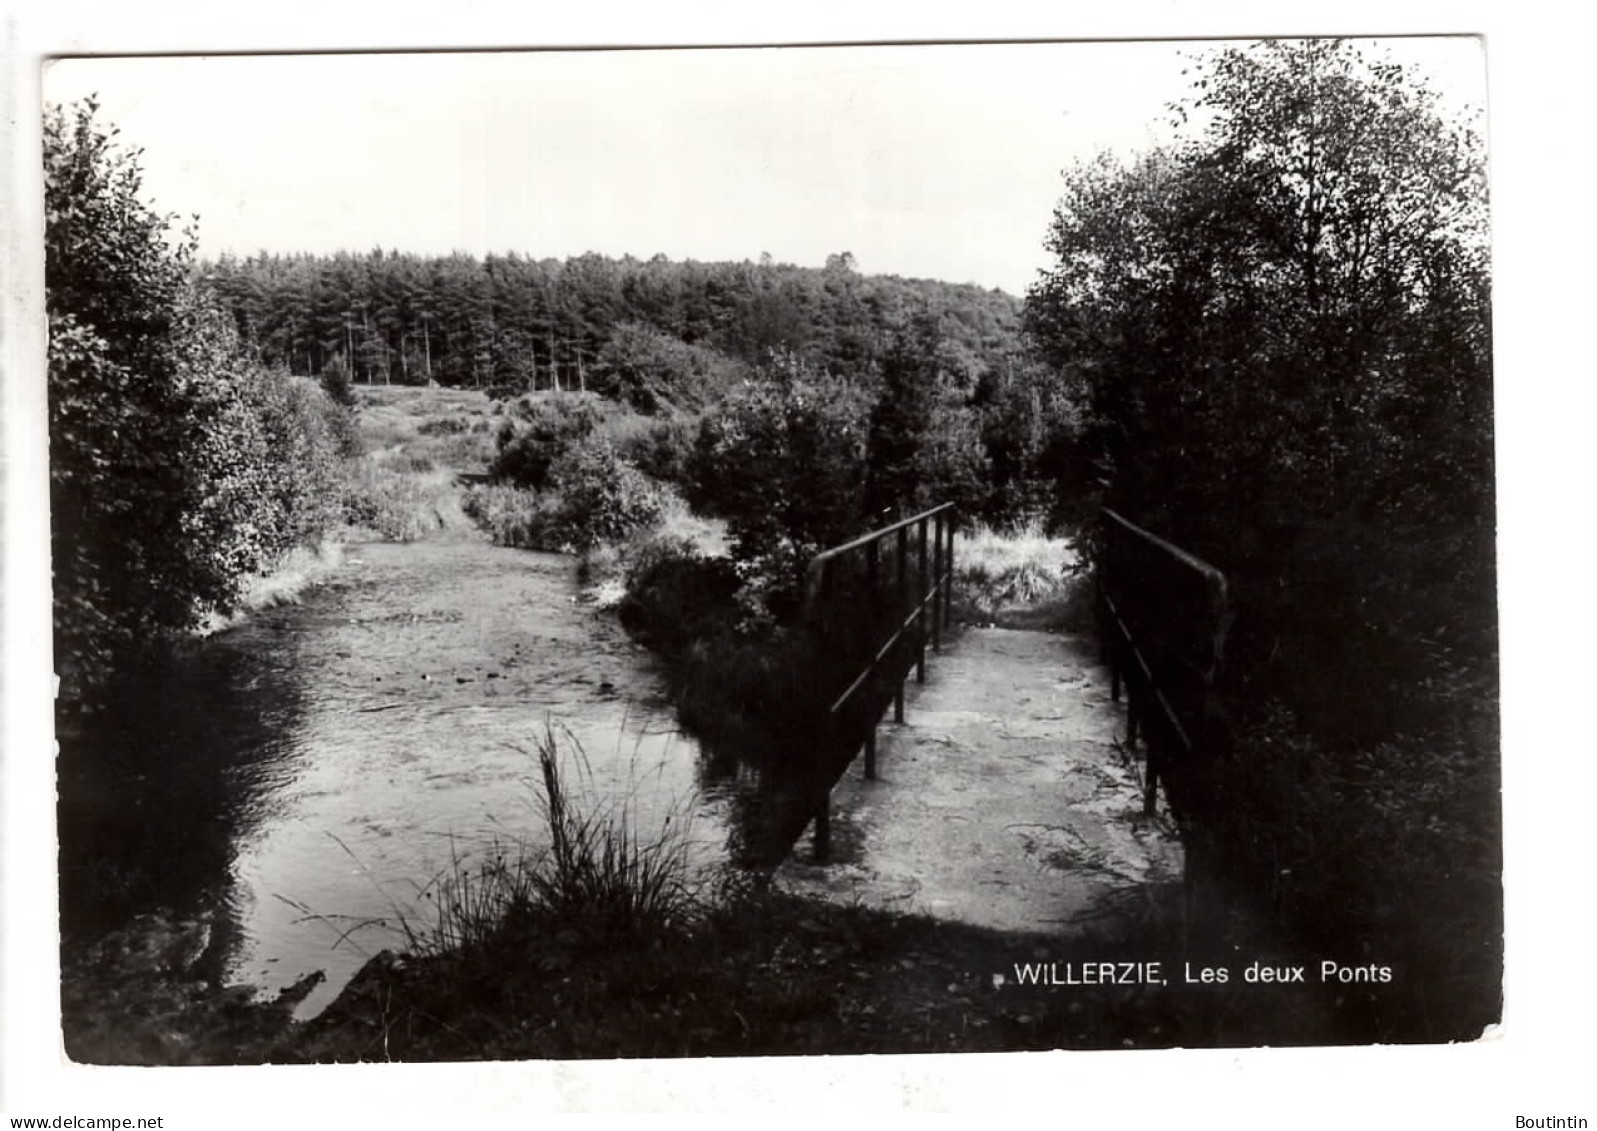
point(404, 486)
point(766, 974)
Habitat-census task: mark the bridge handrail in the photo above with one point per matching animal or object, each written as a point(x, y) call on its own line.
point(1190, 560)
point(930, 590)
point(877, 535)
point(1168, 645)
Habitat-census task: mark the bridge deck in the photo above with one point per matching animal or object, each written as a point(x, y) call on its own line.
point(1003, 802)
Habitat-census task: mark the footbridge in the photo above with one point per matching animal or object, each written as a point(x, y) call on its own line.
point(1004, 777)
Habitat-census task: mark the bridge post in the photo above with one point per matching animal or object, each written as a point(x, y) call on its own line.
point(1153, 766)
point(920, 611)
point(937, 580)
point(902, 583)
point(948, 573)
point(822, 764)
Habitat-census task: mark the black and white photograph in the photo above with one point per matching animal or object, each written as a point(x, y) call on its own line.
point(808, 550)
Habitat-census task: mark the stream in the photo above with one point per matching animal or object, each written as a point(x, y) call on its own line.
point(301, 781)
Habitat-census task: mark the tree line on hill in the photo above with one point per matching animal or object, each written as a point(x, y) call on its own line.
point(518, 323)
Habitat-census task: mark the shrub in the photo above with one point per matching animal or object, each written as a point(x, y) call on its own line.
point(593, 496)
point(538, 434)
point(602, 496)
point(512, 516)
point(1398, 842)
point(676, 596)
point(305, 433)
point(784, 462)
point(400, 506)
point(664, 450)
point(444, 426)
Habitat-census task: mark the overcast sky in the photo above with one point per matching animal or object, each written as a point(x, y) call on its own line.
point(937, 161)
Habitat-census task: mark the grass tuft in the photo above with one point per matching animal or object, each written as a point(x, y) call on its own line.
point(1021, 577)
point(591, 877)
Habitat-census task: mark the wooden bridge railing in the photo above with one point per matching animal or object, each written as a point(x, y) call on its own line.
point(895, 584)
point(1163, 620)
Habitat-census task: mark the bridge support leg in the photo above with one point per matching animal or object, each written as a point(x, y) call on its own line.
point(823, 829)
point(898, 705)
point(948, 580)
point(823, 789)
point(870, 754)
point(1150, 785)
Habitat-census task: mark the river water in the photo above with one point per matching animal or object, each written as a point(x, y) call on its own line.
point(302, 778)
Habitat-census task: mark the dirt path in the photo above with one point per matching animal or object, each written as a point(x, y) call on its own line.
point(1005, 801)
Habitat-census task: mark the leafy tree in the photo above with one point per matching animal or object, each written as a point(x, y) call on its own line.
point(653, 371)
point(1276, 333)
point(783, 460)
point(1029, 428)
point(120, 408)
point(177, 465)
point(925, 446)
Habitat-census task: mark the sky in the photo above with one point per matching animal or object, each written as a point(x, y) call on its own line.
point(931, 161)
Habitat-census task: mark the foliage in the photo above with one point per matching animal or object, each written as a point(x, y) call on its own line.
point(1382, 843)
point(664, 449)
point(902, 419)
point(178, 467)
point(512, 516)
point(602, 497)
point(542, 431)
point(1030, 426)
point(592, 496)
point(783, 461)
point(1277, 334)
point(654, 371)
point(401, 504)
point(926, 445)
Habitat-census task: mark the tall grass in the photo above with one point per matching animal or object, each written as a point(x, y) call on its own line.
point(1021, 576)
point(513, 516)
point(400, 505)
point(593, 876)
point(283, 583)
point(601, 870)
